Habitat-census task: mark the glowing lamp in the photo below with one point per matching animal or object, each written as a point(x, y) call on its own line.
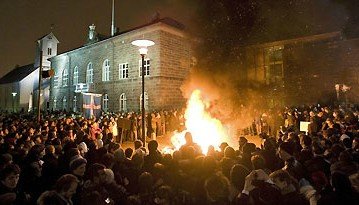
point(143, 44)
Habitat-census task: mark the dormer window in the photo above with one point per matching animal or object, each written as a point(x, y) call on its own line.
point(49, 51)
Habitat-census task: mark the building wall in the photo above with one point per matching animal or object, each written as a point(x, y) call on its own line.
point(169, 60)
point(310, 69)
point(7, 101)
point(27, 87)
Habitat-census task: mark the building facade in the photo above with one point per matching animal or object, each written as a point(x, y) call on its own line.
point(19, 87)
point(112, 67)
point(305, 70)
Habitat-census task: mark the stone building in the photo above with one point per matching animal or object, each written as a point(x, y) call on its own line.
point(306, 69)
point(112, 67)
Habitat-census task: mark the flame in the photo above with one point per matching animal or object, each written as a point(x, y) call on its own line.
point(206, 130)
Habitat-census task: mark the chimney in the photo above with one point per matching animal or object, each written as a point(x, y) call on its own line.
point(92, 36)
point(113, 28)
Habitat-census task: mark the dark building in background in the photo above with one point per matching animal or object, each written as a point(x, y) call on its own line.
point(306, 69)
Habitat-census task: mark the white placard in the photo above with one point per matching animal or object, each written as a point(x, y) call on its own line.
point(304, 126)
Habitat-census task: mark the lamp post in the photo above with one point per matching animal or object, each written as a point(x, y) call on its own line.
point(13, 100)
point(143, 44)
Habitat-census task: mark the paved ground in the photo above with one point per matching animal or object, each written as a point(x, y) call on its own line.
point(165, 141)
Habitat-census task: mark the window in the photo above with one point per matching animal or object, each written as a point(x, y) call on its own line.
point(105, 102)
point(147, 67)
point(123, 102)
point(123, 70)
point(146, 101)
point(65, 78)
point(64, 103)
point(89, 73)
point(76, 75)
point(106, 70)
point(75, 104)
point(56, 81)
point(274, 64)
point(49, 51)
point(55, 104)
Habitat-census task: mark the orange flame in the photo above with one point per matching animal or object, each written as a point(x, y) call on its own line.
point(206, 130)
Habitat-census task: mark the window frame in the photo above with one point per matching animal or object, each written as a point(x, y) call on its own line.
point(76, 75)
point(147, 67)
point(65, 78)
point(123, 102)
point(106, 70)
point(123, 68)
point(89, 73)
point(105, 102)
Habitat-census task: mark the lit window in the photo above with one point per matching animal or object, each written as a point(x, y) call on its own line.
point(146, 101)
point(105, 102)
point(274, 64)
point(89, 73)
point(75, 104)
point(147, 67)
point(64, 103)
point(49, 51)
point(56, 81)
point(106, 70)
point(65, 78)
point(76, 75)
point(123, 70)
point(123, 102)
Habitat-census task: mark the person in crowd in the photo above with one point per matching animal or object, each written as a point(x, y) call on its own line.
point(65, 188)
point(295, 169)
point(10, 192)
point(190, 143)
point(30, 179)
point(288, 187)
point(323, 163)
point(259, 189)
point(342, 192)
point(77, 167)
point(153, 157)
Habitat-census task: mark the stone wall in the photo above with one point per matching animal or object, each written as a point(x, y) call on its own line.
point(170, 64)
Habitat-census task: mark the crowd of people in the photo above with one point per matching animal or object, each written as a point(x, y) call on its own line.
point(71, 160)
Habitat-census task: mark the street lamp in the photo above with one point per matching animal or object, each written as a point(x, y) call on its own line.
point(143, 44)
point(13, 100)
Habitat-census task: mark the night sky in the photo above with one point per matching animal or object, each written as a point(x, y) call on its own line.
point(22, 22)
point(220, 24)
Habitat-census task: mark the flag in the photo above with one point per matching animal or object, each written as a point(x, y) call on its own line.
point(91, 105)
point(48, 73)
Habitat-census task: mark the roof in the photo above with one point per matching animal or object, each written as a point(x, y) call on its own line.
point(51, 36)
point(17, 74)
point(302, 39)
point(166, 20)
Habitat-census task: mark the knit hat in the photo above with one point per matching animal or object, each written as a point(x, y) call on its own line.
point(76, 162)
point(344, 136)
point(82, 146)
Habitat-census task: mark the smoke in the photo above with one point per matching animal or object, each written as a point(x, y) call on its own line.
point(223, 28)
point(234, 104)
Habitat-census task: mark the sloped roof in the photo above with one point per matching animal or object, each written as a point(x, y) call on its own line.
point(51, 35)
point(17, 74)
point(166, 20)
